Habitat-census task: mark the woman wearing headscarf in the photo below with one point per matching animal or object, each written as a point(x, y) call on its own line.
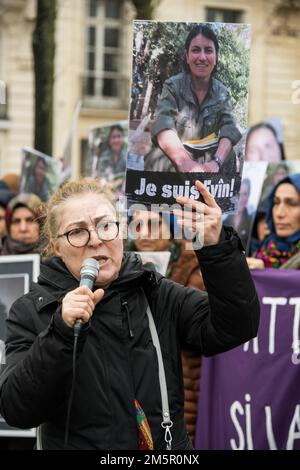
point(23, 225)
point(281, 248)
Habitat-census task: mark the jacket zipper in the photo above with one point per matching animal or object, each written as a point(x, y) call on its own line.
point(125, 306)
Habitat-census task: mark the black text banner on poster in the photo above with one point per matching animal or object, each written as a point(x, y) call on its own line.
point(149, 187)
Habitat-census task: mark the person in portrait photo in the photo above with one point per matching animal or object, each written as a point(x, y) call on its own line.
point(193, 106)
point(112, 161)
point(262, 144)
point(36, 182)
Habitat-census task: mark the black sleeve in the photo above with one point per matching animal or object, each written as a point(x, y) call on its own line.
point(224, 317)
point(233, 302)
point(37, 373)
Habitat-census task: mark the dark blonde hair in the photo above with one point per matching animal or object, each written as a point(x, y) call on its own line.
point(60, 197)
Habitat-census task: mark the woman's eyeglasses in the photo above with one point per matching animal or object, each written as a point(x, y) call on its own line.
point(79, 237)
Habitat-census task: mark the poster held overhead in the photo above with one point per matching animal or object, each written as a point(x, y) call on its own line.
point(188, 108)
point(39, 174)
point(106, 155)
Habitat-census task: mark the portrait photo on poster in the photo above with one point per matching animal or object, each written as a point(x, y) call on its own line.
point(39, 173)
point(251, 186)
point(188, 110)
point(276, 172)
point(106, 154)
point(264, 141)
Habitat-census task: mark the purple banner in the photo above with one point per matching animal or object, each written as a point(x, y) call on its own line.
point(250, 396)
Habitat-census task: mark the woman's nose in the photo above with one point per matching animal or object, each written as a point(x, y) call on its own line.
point(280, 210)
point(23, 226)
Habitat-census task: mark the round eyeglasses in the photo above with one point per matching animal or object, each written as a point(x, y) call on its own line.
point(80, 236)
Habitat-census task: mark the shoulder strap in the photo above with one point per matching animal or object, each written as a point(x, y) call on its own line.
point(166, 422)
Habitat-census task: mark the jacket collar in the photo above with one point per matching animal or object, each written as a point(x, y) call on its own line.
point(132, 274)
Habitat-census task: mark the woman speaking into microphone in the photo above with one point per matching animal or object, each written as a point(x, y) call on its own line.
point(118, 385)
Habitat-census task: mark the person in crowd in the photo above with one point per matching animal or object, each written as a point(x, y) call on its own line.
point(153, 232)
point(241, 221)
point(37, 181)
point(281, 248)
point(194, 105)
point(115, 401)
point(12, 180)
point(6, 194)
point(112, 161)
point(262, 144)
point(23, 222)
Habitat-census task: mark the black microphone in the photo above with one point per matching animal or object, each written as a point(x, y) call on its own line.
point(88, 275)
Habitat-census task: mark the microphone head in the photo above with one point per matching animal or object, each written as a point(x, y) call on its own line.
point(90, 267)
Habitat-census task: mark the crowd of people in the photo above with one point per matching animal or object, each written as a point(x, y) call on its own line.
point(136, 339)
point(80, 221)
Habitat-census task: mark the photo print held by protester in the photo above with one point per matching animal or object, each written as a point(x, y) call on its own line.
point(39, 174)
point(190, 109)
point(264, 142)
point(106, 154)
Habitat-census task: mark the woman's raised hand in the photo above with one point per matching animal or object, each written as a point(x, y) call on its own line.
point(204, 219)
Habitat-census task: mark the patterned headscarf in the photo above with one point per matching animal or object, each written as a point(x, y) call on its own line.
point(276, 250)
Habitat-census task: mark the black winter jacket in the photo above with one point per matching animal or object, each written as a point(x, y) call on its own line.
point(114, 367)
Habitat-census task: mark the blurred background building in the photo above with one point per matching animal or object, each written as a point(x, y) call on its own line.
point(92, 65)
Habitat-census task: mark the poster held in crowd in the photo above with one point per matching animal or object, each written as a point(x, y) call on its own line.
point(250, 395)
point(264, 141)
point(252, 181)
point(187, 113)
point(65, 160)
point(275, 173)
point(16, 274)
point(106, 154)
point(39, 174)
